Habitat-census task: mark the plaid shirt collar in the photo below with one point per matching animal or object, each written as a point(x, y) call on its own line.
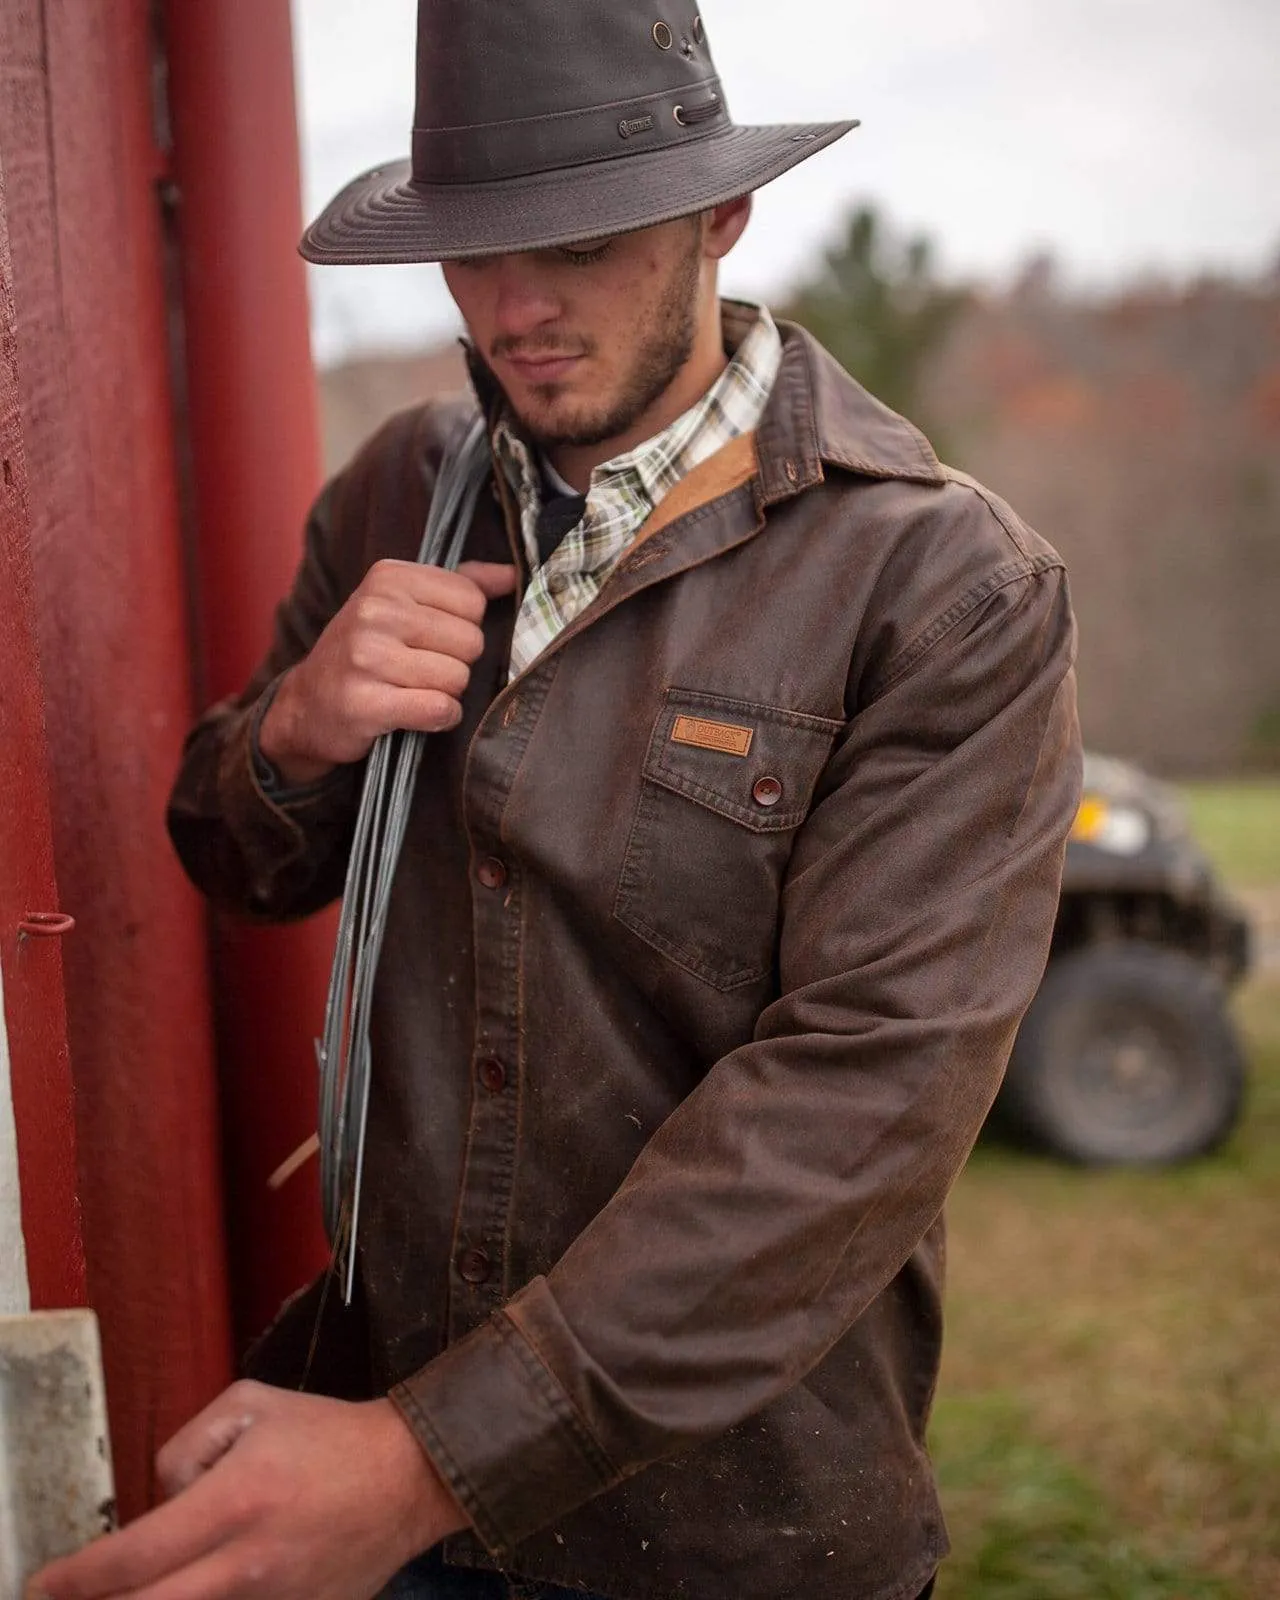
point(625, 490)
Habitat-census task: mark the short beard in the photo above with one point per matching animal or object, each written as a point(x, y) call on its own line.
point(665, 349)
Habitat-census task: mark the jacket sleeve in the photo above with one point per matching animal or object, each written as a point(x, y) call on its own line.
point(249, 845)
point(252, 848)
point(916, 919)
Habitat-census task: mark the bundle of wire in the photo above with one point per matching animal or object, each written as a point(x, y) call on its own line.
point(344, 1049)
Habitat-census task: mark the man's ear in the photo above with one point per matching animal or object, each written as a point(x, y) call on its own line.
point(725, 225)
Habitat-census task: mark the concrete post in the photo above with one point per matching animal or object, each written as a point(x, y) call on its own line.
point(56, 1491)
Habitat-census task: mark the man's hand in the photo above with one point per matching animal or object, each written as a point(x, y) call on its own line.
point(398, 655)
point(275, 1496)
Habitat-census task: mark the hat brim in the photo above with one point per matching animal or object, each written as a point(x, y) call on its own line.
point(385, 218)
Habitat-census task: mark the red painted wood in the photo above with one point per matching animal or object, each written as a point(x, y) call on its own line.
point(77, 131)
point(256, 457)
point(39, 1062)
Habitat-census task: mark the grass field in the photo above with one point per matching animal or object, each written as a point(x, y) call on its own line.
point(1241, 824)
point(1109, 1427)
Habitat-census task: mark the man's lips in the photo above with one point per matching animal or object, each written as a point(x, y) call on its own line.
point(542, 368)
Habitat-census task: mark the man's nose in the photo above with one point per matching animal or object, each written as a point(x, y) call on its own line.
point(523, 302)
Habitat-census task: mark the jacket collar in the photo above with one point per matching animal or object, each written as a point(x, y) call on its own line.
point(816, 416)
point(819, 416)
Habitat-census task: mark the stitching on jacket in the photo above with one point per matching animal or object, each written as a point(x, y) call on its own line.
point(628, 898)
point(963, 480)
point(1002, 578)
point(933, 470)
point(805, 389)
point(809, 720)
point(921, 920)
point(404, 1397)
point(723, 983)
point(795, 379)
point(557, 1397)
point(723, 806)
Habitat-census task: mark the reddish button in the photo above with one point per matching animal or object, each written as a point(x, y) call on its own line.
point(492, 873)
point(492, 1075)
point(473, 1266)
point(767, 792)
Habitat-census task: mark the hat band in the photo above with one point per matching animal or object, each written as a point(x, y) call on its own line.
point(495, 150)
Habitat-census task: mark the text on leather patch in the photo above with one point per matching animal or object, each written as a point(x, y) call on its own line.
point(721, 736)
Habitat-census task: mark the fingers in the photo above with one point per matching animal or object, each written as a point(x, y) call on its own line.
point(397, 655)
point(314, 1500)
point(426, 628)
point(426, 669)
point(380, 626)
point(421, 710)
point(494, 579)
point(387, 662)
point(464, 593)
point(168, 1540)
point(221, 1576)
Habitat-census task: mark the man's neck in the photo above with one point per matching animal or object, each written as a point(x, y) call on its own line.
point(576, 463)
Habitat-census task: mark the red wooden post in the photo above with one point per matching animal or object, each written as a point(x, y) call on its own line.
point(256, 457)
point(40, 1070)
point(78, 134)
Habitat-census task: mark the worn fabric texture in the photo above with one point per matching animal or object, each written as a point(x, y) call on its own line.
point(707, 950)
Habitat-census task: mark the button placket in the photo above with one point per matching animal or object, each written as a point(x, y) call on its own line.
point(474, 1266)
point(492, 1075)
point(492, 872)
point(480, 1266)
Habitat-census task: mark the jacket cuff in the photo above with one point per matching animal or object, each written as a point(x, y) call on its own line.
point(505, 1436)
point(276, 825)
point(271, 781)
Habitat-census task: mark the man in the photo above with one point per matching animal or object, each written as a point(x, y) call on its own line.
point(732, 866)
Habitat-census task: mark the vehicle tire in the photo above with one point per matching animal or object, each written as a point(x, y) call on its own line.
point(1126, 1056)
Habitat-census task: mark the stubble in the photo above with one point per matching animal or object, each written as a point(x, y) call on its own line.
point(664, 346)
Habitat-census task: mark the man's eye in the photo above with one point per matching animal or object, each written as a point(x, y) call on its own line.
point(584, 255)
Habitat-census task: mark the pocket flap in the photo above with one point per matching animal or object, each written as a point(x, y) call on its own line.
point(755, 764)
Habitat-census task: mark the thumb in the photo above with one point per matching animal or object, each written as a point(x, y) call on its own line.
point(492, 578)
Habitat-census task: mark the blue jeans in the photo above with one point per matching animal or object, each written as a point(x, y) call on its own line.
point(428, 1578)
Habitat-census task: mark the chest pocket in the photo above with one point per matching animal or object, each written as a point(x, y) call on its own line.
point(725, 785)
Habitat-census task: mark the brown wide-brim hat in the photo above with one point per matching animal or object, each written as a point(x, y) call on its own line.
point(551, 122)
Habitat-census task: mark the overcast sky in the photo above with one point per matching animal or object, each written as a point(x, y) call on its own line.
point(1126, 136)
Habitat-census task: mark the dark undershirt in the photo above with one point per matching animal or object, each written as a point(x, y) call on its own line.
point(560, 513)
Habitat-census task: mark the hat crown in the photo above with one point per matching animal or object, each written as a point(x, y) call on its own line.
point(508, 87)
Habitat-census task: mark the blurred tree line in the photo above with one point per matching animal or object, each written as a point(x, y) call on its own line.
point(1139, 431)
point(877, 306)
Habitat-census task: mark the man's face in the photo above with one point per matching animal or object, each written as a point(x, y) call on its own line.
point(585, 340)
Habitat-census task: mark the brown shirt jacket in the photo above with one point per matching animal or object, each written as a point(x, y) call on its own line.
point(707, 950)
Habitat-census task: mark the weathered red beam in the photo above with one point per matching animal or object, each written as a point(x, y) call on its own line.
point(255, 451)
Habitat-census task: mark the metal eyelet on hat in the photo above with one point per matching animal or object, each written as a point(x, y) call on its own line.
point(699, 31)
point(663, 36)
point(690, 116)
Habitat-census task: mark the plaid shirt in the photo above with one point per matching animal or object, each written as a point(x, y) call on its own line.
point(625, 491)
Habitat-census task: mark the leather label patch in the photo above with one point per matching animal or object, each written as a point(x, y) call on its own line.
point(725, 737)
